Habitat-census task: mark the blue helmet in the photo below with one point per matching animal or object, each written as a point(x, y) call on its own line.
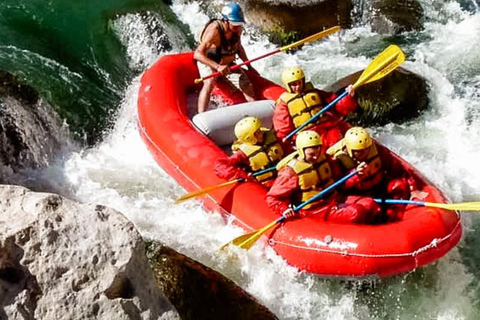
point(233, 13)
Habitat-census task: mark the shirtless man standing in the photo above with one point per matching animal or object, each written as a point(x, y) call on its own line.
point(220, 43)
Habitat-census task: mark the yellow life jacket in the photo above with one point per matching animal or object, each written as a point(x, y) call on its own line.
point(303, 106)
point(373, 174)
point(339, 152)
point(312, 178)
point(262, 156)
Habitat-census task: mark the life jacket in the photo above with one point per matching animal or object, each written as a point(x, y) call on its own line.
point(312, 178)
point(339, 152)
point(373, 174)
point(262, 156)
point(227, 48)
point(303, 106)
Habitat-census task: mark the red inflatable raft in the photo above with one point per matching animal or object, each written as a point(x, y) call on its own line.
point(424, 235)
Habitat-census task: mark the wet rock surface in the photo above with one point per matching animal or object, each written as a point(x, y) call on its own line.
point(394, 16)
point(64, 260)
point(289, 21)
point(200, 293)
point(399, 96)
point(286, 21)
point(31, 134)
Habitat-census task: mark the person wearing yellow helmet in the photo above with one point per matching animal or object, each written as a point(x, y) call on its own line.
point(306, 172)
point(380, 174)
point(302, 101)
point(256, 149)
point(220, 44)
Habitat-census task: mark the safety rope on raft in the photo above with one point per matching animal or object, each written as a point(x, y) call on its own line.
point(433, 244)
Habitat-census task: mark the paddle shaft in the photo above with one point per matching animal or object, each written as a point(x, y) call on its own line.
point(387, 61)
point(463, 206)
point(324, 191)
point(401, 201)
point(203, 191)
point(315, 197)
point(321, 193)
point(334, 102)
point(316, 116)
point(258, 173)
point(314, 37)
point(238, 66)
point(246, 241)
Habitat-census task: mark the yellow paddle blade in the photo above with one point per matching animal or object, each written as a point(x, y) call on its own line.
point(311, 38)
point(247, 240)
point(204, 191)
point(387, 61)
point(465, 206)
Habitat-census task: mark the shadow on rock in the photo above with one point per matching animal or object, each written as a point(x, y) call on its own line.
point(200, 293)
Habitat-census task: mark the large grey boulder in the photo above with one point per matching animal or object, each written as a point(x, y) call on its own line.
point(63, 260)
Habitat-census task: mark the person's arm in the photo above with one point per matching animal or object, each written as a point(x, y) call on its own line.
point(232, 167)
point(243, 56)
point(209, 39)
point(353, 181)
point(282, 121)
point(279, 196)
point(343, 107)
point(241, 53)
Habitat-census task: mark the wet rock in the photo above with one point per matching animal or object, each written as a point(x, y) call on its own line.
point(158, 37)
point(31, 133)
point(157, 33)
point(200, 293)
point(287, 21)
point(395, 16)
point(63, 260)
point(399, 96)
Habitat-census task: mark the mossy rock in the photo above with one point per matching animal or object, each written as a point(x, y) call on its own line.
point(398, 97)
point(285, 22)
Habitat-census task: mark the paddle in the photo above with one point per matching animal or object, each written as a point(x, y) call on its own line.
point(465, 206)
point(247, 240)
point(311, 38)
point(203, 191)
point(387, 61)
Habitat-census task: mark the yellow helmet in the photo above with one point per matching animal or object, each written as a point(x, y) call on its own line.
point(292, 74)
point(357, 138)
point(245, 129)
point(307, 139)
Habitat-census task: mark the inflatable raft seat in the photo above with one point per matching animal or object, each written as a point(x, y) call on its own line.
point(218, 124)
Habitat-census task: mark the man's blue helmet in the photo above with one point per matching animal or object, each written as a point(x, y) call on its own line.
point(233, 13)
